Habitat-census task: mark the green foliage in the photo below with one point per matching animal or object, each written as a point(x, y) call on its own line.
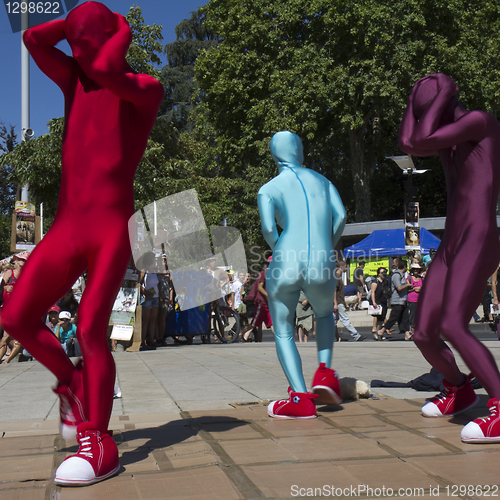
point(37, 162)
point(192, 36)
point(5, 232)
point(8, 141)
point(337, 73)
point(145, 47)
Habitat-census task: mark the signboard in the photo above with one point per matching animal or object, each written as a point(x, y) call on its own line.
point(25, 227)
point(122, 332)
point(371, 266)
point(412, 229)
point(412, 238)
point(124, 307)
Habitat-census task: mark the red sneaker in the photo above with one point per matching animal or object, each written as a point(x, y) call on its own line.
point(484, 430)
point(326, 385)
point(298, 405)
point(96, 460)
point(453, 400)
point(71, 407)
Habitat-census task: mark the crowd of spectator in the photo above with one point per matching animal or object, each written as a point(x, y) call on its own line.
point(61, 319)
point(396, 290)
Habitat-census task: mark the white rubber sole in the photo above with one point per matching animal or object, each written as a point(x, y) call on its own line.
point(451, 414)
point(472, 433)
point(85, 482)
point(271, 414)
point(293, 418)
point(327, 396)
point(482, 440)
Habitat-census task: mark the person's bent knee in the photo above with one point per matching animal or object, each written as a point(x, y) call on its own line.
point(283, 333)
point(421, 337)
point(453, 329)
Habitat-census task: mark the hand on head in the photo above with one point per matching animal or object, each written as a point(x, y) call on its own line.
point(87, 28)
point(426, 90)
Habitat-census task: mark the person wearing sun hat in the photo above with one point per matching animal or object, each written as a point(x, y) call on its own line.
point(53, 317)
point(66, 333)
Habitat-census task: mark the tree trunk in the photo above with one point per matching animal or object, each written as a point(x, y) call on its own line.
point(360, 175)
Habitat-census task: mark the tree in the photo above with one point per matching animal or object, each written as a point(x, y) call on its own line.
point(338, 74)
point(173, 128)
point(143, 53)
point(37, 162)
point(192, 36)
point(8, 141)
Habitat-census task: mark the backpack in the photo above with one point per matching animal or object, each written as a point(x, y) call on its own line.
point(386, 289)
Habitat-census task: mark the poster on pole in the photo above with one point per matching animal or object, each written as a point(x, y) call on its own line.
point(124, 307)
point(412, 226)
point(412, 214)
point(412, 238)
point(25, 227)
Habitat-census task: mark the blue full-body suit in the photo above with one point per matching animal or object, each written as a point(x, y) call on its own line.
point(308, 208)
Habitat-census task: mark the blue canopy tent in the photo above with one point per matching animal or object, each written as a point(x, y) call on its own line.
point(384, 243)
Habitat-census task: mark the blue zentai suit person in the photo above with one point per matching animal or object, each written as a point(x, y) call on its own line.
point(308, 208)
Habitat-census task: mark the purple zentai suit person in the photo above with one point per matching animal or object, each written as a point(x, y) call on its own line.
point(468, 143)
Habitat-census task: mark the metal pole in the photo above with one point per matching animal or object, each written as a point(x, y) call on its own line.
point(25, 94)
point(41, 220)
point(156, 222)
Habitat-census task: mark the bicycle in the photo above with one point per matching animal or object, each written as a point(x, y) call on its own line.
point(224, 324)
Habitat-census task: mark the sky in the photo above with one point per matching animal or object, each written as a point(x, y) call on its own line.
point(46, 99)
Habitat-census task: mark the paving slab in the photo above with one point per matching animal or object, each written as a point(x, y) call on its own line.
point(192, 424)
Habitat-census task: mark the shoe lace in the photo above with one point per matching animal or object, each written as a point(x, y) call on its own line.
point(493, 413)
point(445, 393)
point(86, 447)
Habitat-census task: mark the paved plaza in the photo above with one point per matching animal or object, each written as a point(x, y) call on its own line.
point(192, 424)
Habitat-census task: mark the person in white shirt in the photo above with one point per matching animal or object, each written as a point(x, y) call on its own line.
point(236, 287)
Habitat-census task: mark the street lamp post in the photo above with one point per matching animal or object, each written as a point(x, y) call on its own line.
point(405, 163)
point(412, 226)
point(224, 223)
point(27, 132)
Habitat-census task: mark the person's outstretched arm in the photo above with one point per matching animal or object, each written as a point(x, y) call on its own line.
point(338, 213)
point(110, 70)
point(266, 210)
point(40, 42)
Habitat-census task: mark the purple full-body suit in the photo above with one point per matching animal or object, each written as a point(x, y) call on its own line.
point(468, 143)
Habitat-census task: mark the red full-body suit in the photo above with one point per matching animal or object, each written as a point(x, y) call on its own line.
point(109, 113)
